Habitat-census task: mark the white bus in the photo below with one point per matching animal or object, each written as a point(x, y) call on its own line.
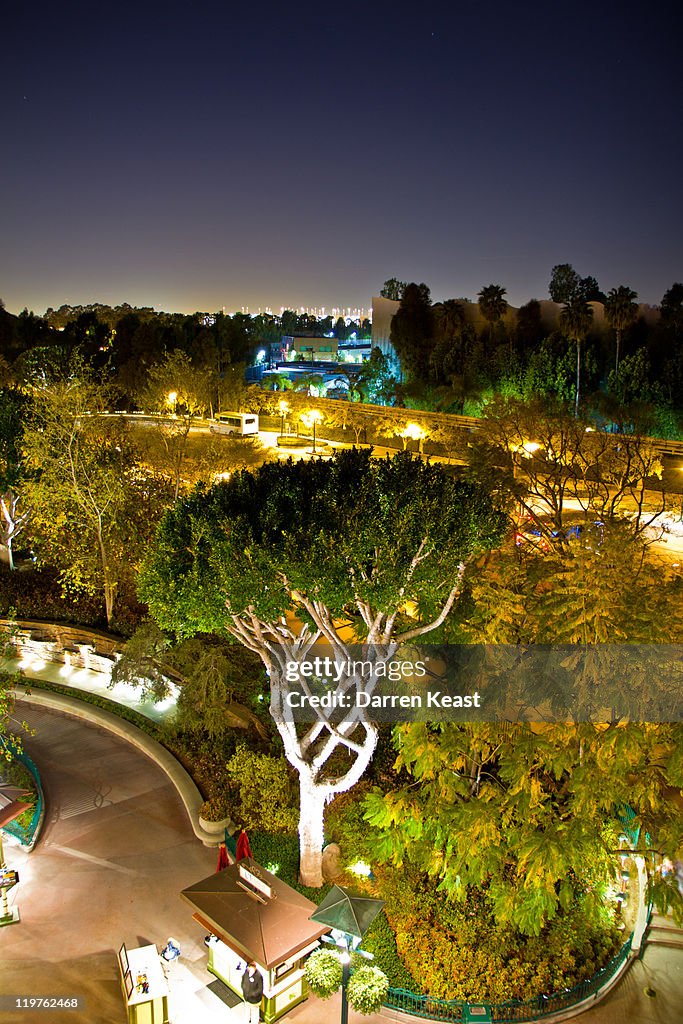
point(240, 423)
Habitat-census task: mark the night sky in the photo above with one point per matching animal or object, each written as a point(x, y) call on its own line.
point(223, 154)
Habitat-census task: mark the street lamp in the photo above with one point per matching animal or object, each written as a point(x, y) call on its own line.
point(313, 417)
point(349, 917)
point(171, 399)
point(525, 450)
point(284, 409)
point(416, 433)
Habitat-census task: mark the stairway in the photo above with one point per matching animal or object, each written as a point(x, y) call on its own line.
point(661, 931)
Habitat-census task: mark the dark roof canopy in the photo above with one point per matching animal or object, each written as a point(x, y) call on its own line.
point(267, 929)
point(347, 912)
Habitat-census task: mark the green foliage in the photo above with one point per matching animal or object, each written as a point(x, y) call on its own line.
point(393, 289)
point(564, 283)
point(412, 332)
point(515, 809)
point(220, 682)
point(323, 973)
point(381, 942)
point(492, 303)
point(456, 950)
point(309, 528)
point(345, 825)
point(354, 549)
point(12, 408)
point(94, 505)
point(17, 774)
point(266, 792)
point(367, 989)
point(280, 851)
point(39, 594)
point(215, 809)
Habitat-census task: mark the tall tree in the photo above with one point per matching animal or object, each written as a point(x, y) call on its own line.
point(93, 504)
point(493, 305)
point(308, 552)
point(564, 284)
point(621, 311)
point(14, 513)
point(672, 307)
point(529, 330)
point(575, 322)
point(515, 809)
point(412, 332)
point(590, 290)
point(179, 393)
point(560, 463)
point(448, 353)
point(393, 289)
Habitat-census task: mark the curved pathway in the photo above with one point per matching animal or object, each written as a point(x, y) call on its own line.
point(116, 849)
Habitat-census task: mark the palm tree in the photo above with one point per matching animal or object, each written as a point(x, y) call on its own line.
point(575, 323)
point(493, 304)
point(449, 317)
point(621, 311)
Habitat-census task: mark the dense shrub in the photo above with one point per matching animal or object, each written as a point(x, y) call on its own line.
point(453, 950)
point(277, 851)
point(266, 795)
point(214, 810)
point(381, 942)
point(367, 989)
point(345, 825)
point(38, 594)
point(204, 757)
point(280, 853)
point(323, 972)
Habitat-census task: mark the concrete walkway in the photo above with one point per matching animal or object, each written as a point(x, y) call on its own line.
point(117, 848)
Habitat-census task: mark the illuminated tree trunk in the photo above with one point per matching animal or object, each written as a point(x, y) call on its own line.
point(314, 795)
point(12, 522)
point(311, 829)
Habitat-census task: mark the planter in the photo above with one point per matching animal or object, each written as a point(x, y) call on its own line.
point(216, 828)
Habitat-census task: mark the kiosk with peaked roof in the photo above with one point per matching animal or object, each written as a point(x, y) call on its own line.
point(251, 914)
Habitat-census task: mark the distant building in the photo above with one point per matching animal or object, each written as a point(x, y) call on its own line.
point(383, 311)
point(308, 350)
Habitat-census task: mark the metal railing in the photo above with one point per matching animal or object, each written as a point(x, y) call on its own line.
point(513, 1011)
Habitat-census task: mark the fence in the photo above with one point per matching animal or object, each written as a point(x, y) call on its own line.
point(514, 1011)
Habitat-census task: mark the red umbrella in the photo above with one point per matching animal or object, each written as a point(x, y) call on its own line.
point(243, 847)
point(223, 859)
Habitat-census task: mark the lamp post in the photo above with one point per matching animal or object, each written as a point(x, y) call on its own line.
point(284, 409)
point(413, 432)
point(349, 917)
point(314, 417)
point(345, 958)
point(171, 399)
point(522, 451)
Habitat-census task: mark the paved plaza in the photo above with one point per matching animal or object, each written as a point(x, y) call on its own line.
point(115, 851)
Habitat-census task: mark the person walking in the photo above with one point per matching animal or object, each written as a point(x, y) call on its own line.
point(252, 990)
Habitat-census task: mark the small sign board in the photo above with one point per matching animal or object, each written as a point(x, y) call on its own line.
point(474, 1012)
point(255, 882)
point(8, 878)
